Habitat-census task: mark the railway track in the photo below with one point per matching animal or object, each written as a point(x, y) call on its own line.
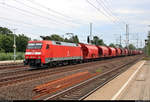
point(81, 90)
point(19, 69)
point(4, 67)
point(16, 77)
point(14, 72)
point(9, 70)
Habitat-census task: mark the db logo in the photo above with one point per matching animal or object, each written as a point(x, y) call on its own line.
point(68, 53)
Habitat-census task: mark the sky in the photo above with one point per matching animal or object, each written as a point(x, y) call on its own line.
point(108, 17)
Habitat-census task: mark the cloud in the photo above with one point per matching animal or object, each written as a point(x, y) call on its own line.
point(128, 11)
point(75, 15)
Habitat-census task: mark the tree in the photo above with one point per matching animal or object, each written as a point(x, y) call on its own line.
point(148, 49)
point(112, 45)
point(66, 40)
point(35, 40)
point(132, 47)
point(6, 43)
point(118, 45)
point(54, 37)
point(1, 44)
point(97, 41)
point(73, 39)
point(4, 30)
point(21, 42)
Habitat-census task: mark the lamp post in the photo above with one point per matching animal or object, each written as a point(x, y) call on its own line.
point(14, 46)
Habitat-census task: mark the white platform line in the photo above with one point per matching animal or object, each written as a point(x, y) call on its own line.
point(117, 94)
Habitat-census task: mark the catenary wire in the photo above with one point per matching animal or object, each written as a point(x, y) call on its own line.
point(41, 11)
point(50, 19)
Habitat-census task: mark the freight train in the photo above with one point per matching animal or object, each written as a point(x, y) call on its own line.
point(50, 53)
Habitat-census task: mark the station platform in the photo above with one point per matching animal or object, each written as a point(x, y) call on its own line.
point(10, 62)
point(133, 84)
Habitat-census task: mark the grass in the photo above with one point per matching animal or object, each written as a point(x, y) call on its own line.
point(10, 56)
point(146, 58)
point(99, 70)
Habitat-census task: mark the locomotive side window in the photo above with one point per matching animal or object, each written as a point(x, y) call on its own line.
point(59, 43)
point(34, 46)
point(47, 46)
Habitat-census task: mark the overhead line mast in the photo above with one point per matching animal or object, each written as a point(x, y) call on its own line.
point(90, 33)
point(120, 40)
point(137, 41)
point(127, 36)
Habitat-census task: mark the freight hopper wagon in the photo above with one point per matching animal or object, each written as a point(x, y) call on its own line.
point(103, 51)
point(47, 53)
point(89, 52)
point(112, 52)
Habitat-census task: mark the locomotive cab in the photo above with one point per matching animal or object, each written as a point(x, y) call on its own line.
point(33, 54)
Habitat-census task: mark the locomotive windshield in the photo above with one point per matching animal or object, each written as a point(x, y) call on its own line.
point(34, 46)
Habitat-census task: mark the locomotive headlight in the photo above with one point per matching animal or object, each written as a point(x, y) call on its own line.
point(33, 53)
point(28, 53)
point(37, 53)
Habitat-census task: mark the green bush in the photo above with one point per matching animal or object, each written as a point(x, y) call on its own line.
point(10, 56)
point(146, 58)
point(3, 57)
point(20, 56)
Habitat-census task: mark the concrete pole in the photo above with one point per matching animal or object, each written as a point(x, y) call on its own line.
point(14, 45)
point(127, 36)
point(137, 41)
point(90, 33)
point(120, 39)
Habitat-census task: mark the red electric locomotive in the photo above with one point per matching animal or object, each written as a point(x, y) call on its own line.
point(43, 53)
